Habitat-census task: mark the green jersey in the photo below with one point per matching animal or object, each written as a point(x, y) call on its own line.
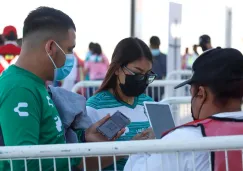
point(28, 116)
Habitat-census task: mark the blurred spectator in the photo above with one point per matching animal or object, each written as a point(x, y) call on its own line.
point(159, 67)
point(205, 42)
point(10, 50)
point(184, 59)
point(89, 53)
point(97, 64)
point(1, 40)
point(192, 57)
point(75, 74)
point(159, 59)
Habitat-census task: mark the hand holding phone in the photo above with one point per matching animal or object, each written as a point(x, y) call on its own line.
point(112, 126)
point(92, 135)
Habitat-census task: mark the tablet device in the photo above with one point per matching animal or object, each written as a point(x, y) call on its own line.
point(160, 117)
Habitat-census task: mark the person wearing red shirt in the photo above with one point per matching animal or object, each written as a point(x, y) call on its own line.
point(10, 50)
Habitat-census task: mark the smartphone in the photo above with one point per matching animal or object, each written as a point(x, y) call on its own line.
point(111, 127)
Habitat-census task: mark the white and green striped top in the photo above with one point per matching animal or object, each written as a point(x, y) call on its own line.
point(105, 103)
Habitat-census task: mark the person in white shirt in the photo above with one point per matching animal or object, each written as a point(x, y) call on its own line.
point(217, 91)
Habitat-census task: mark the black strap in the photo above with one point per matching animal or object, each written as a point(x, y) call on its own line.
point(1, 138)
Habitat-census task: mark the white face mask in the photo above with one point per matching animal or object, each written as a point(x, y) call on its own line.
point(64, 71)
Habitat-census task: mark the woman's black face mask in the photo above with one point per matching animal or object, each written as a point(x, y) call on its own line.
point(136, 84)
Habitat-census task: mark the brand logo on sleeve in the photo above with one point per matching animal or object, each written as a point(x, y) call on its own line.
point(58, 123)
point(21, 106)
point(49, 101)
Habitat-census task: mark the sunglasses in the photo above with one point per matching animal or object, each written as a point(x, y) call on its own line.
point(149, 77)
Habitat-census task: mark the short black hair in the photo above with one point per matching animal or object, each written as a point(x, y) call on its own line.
point(1, 40)
point(46, 18)
point(97, 49)
point(11, 36)
point(155, 41)
point(91, 46)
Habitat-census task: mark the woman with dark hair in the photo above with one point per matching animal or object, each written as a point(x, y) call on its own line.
point(127, 78)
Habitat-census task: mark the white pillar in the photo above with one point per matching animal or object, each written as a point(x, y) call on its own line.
point(174, 46)
point(174, 50)
point(138, 18)
point(228, 27)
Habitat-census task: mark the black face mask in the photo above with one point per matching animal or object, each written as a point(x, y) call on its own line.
point(133, 87)
point(193, 116)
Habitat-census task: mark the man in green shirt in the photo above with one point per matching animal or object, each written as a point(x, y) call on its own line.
point(27, 113)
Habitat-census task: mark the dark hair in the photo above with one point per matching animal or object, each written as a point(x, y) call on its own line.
point(97, 49)
point(195, 49)
point(1, 40)
point(46, 18)
point(91, 46)
point(187, 50)
point(155, 41)
point(11, 36)
point(225, 90)
point(127, 50)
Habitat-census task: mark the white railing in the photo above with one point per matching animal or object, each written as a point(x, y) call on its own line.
point(125, 148)
point(158, 90)
point(179, 74)
point(180, 108)
point(113, 149)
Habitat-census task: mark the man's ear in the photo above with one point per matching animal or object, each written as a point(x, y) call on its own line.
point(50, 48)
point(202, 94)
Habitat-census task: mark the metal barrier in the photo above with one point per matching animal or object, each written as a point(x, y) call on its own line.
point(179, 74)
point(115, 149)
point(180, 108)
point(158, 90)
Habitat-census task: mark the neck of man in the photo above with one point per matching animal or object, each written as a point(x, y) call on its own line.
point(31, 63)
point(233, 105)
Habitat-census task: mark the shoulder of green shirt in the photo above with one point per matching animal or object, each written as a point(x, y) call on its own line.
point(102, 100)
point(144, 98)
point(106, 100)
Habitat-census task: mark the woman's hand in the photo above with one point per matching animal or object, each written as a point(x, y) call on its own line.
point(148, 134)
point(92, 135)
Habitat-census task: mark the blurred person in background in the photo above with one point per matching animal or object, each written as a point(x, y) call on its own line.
point(192, 57)
point(159, 67)
point(10, 50)
point(1, 40)
point(159, 59)
point(205, 42)
point(27, 113)
point(87, 57)
point(217, 91)
point(129, 74)
point(185, 58)
point(97, 64)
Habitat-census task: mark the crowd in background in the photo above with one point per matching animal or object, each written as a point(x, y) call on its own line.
point(96, 64)
point(44, 116)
